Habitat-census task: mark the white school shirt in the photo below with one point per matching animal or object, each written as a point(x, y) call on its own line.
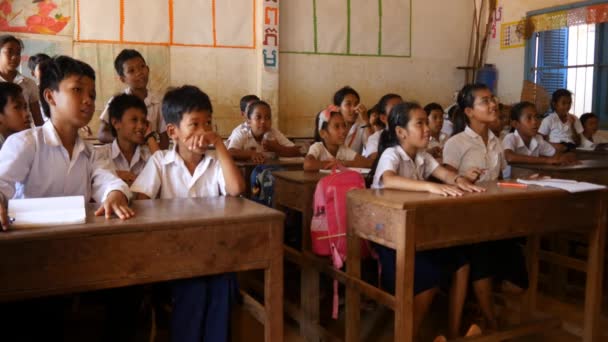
point(597, 139)
point(244, 140)
point(434, 142)
point(448, 127)
point(154, 105)
point(538, 146)
point(320, 153)
point(30, 92)
point(36, 160)
point(373, 141)
point(466, 150)
point(395, 159)
point(166, 176)
point(242, 126)
point(118, 161)
point(557, 131)
point(356, 137)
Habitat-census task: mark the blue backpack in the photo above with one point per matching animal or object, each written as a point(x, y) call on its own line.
point(262, 183)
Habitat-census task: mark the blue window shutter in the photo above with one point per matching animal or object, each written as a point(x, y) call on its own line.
point(552, 52)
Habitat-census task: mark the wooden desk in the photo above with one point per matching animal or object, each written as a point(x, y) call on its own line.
point(594, 171)
point(409, 221)
point(168, 239)
point(248, 166)
point(593, 155)
point(295, 190)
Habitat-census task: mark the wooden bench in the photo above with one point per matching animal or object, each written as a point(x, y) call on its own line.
point(167, 240)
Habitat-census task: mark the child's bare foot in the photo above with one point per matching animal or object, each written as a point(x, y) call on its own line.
point(440, 338)
point(510, 288)
point(474, 330)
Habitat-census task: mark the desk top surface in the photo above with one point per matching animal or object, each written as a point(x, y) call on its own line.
point(582, 165)
point(398, 199)
point(300, 176)
point(281, 161)
point(157, 215)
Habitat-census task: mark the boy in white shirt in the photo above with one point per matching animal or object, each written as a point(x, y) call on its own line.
point(243, 104)
point(68, 89)
point(201, 305)
point(13, 111)
point(132, 69)
point(590, 137)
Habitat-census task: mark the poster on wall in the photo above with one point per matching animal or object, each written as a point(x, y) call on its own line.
point(511, 36)
point(347, 27)
point(52, 17)
point(270, 50)
point(200, 23)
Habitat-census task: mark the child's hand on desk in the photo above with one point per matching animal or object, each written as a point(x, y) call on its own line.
point(116, 203)
point(444, 190)
point(567, 159)
point(473, 174)
point(271, 145)
point(330, 164)
point(127, 176)
point(465, 185)
point(257, 158)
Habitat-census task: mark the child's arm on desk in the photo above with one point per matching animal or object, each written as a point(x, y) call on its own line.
point(282, 150)
point(235, 184)
point(313, 164)
point(246, 155)
point(359, 161)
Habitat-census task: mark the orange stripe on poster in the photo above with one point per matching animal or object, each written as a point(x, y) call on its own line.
point(78, 19)
point(122, 20)
point(253, 28)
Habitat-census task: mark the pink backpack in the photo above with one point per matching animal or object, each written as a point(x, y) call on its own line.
point(328, 227)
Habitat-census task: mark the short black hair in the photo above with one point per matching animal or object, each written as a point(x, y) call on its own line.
point(341, 94)
point(8, 91)
point(518, 109)
point(57, 69)
point(7, 38)
point(120, 104)
point(586, 117)
point(183, 100)
point(245, 100)
point(37, 59)
point(124, 56)
point(255, 104)
point(559, 93)
point(431, 107)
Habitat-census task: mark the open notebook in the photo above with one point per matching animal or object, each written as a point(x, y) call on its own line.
point(39, 212)
point(564, 184)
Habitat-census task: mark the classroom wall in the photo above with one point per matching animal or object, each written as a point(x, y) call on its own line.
point(510, 62)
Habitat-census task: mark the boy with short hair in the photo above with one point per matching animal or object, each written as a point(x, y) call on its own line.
point(133, 71)
point(67, 88)
point(13, 111)
point(201, 308)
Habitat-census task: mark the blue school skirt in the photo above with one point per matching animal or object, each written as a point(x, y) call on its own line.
point(431, 268)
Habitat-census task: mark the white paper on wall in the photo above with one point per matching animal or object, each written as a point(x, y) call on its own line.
point(396, 27)
point(98, 20)
point(193, 32)
point(332, 26)
point(234, 23)
point(146, 21)
point(297, 26)
point(364, 27)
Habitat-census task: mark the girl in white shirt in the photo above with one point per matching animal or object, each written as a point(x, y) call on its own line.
point(329, 149)
point(477, 154)
point(525, 145)
point(404, 165)
point(590, 137)
point(384, 106)
point(348, 103)
point(438, 138)
point(562, 129)
point(260, 137)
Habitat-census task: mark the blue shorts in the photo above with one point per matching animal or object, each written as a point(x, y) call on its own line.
point(431, 268)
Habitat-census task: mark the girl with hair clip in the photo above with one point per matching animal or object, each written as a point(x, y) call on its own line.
point(476, 153)
point(329, 148)
point(405, 165)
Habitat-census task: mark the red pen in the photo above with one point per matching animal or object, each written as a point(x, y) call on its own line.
point(512, 185)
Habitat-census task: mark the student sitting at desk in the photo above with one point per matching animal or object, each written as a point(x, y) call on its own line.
point(562, 129)
point(404, 165)
point(201, 305)
point(384, 106)
point(68, 90)
point(243, 104)
point(260, 137)
point(128, 153)
point(329, 149)
point(590, 137)
point(13, 111)
point(525, 145)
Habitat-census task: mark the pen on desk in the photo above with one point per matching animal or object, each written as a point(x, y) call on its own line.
point(512, 185)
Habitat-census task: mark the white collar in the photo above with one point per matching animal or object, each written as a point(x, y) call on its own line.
point(116, 152)
point(51, 138)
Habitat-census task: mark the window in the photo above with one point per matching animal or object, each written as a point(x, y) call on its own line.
point(575, 58)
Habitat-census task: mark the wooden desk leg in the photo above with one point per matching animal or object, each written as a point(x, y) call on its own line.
point(404, 287)
point(595, 268)
point(533, 248)
point(273, 288)
point(309, 285)
point(353, 298)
